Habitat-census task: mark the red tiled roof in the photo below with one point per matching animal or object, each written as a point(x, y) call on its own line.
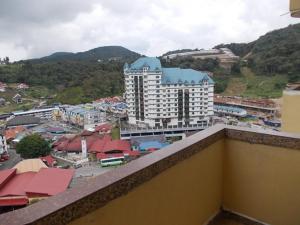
point(48, 159)
point(106, 156)
point(12, 133)
point(95, 143)
point(99, 144)
point(5, 175)
point(15, 186)
point(46, 182)
point(102, 155)
point(50, 181)
point(74, 144)
point(14, 201)
point(104, 127)
point(86, 133)
point(132, 153)
point(121, 145)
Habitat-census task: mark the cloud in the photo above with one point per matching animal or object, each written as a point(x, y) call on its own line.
point(35, 28)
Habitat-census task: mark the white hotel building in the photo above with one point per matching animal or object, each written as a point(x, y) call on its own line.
point(167, 97)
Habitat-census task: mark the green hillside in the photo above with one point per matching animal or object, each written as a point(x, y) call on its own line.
point(75, 78)
point(266, 65)
point(277, 52)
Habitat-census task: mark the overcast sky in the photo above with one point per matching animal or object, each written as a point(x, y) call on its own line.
point(36, 28)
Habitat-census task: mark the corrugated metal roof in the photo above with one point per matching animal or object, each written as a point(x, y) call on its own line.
point(5, 175)
point(50, 181)
point(229, 109)
point(23, 120)
point(152, 144)
point(15, 186)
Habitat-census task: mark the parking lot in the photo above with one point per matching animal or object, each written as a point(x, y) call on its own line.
point(91, 169)
point(14, 158)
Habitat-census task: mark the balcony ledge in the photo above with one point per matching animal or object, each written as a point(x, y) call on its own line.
point(98, 191)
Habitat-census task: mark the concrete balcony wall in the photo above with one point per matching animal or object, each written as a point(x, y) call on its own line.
point(295, 8)
point(290, 110)
point(262, 182)
point(188, 193)
point(252, 173)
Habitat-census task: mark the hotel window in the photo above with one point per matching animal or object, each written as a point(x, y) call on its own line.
point(157, 77)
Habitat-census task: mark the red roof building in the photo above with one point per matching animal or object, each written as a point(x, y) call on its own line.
point(104, 128)
point(18, 189)
point(74, 144)
point(120, 145)
point(101, 146)
point(11, 133)
point(48, 160)
point(49, 181)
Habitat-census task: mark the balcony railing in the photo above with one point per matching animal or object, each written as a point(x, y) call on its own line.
point(254, 175)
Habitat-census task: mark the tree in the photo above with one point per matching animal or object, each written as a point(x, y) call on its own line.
point(33, 146)
point(6, 60)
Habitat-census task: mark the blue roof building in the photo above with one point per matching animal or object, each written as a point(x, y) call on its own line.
point(167, 97)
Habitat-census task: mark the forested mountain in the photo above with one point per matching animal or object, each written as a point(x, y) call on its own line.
point(96, 54)
point(82, 77)
point(76, 78)
point(277, 52)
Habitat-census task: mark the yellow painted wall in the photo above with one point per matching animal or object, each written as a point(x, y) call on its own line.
point(262, 182)
point(291, 111)
point(295, 5)
point(188, 193)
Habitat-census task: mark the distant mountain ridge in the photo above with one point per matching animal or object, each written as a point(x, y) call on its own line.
point(100, 53)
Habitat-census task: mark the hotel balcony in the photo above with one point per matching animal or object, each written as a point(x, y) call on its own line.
point(221, 176)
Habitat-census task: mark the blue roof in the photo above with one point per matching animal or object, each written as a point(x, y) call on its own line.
point(229, 109)
point(184, 76)
point(151, 144)
point(152, 63)
point(169, 75)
